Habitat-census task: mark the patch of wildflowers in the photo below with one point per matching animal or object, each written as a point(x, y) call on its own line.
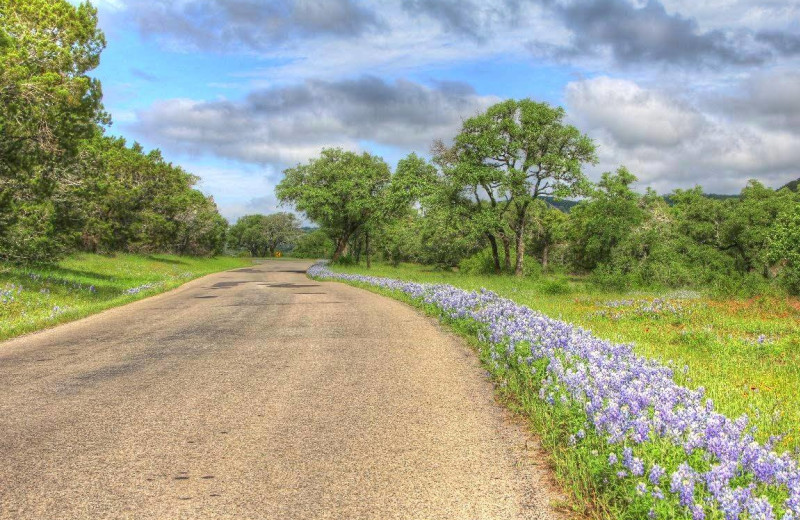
point(628, 400)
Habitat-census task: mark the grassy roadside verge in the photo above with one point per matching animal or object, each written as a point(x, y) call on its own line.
point(34, 298)
point(745, 353)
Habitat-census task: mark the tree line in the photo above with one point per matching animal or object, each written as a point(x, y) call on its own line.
point(64, 184)
point(487, 204)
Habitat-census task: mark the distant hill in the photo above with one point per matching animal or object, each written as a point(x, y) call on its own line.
point(563, 204)
point(792, 185)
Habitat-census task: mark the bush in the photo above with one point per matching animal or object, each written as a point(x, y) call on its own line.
point(479, 263)
point(784, 250)
point(313, 244)
point(482, 263)
point(346, 260)
point(555, 286)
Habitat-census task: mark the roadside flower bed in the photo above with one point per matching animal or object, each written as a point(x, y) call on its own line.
point(662, 442)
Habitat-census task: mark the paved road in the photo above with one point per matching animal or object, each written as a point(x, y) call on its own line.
point(258, 394)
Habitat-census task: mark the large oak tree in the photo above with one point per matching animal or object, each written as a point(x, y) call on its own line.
point(340, 190)
point(515, 153)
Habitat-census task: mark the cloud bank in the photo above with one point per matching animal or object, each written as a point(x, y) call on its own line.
point(289, 124)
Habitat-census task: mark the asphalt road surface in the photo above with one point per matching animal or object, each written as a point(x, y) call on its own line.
point(257, 394)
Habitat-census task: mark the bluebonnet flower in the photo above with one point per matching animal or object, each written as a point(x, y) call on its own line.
point(656, 472)
point(628, 400)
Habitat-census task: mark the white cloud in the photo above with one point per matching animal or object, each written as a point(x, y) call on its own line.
point(669, 143)
point(633, 115)
point(285, 125)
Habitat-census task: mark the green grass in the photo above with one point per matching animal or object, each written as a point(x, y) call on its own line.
point(746, 353)
point(35, 298)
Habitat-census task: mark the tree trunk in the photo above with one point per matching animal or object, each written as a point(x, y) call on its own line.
point(341, 247)
point(495, 255)
point(366, 246)
point(545, 256)
point(506, 252)
point(520, 231)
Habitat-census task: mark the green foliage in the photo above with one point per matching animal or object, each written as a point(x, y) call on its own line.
point(555, 286)
point(62, 184)
point(479, 263)
point(345, 260)
point(598, 225)
point(750, 223)
point(547, 230)
point(128, 200)
point(792, 185)
point(342, 191)
point(263, 235)
point(48, 106)
point(443, 237)
point(482, 263)
point(513, 154)
point(313, 244)
point(784, 249)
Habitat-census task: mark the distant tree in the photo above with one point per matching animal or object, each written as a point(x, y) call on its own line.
point(262, 235)
point(604, 220)
point(342, 191)
point(313, 244)
point(200, 230)
point(784, 248)
point(792, 185)
point(750, 221)
point(48, 106)
point(515, 153)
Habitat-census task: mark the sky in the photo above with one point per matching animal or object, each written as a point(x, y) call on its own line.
point(682, 92)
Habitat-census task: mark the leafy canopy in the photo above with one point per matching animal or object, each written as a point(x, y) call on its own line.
point(340, 190)
point(262, 235)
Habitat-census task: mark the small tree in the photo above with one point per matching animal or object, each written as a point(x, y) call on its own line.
point(598, 224)
point(262, 235)
point(342, 191)
point(471, 195)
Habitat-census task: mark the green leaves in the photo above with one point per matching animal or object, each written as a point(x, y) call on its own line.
point(262, 235)
point(509, 156)
point(340, 190)
point(48, 107)
point(784, 248)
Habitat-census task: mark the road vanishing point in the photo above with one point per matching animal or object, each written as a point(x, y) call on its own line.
point(254, 394)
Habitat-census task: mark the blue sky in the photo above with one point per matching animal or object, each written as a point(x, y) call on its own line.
point(681, 92)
